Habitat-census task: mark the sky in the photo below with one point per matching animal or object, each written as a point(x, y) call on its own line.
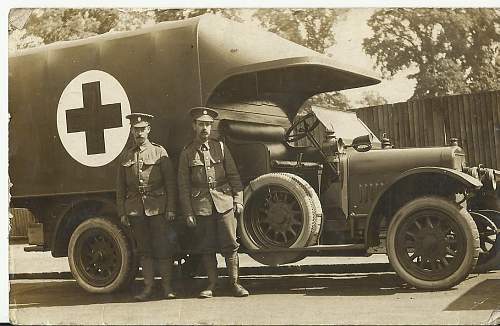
point(349, 35)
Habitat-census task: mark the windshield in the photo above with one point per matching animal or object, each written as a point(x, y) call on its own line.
point(346, 125)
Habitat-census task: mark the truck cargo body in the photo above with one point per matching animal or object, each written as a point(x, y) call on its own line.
point(165, 70)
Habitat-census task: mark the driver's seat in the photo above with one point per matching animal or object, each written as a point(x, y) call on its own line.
point(256, 145)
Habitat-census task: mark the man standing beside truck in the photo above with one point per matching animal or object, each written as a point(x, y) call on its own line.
point(210, 194)
point(146, 198)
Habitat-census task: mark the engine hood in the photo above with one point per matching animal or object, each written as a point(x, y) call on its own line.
point(389, 161)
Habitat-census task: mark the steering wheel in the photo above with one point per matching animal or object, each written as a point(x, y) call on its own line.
point(301, 133)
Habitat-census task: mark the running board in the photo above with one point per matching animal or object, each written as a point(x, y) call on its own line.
point(318, 248)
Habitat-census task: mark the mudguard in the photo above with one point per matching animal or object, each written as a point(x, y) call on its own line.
point(465, 179)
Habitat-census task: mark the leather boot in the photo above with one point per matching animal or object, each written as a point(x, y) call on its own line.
point(232, 263)
point(210, 263)
point(166, 267)
point(148, 274)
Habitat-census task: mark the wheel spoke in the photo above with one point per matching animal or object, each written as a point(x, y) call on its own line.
point(429, 222)
point(413, 255)
point(490, 232)
point(292, 231)
point(409, 244)
point(285, 238)
point(451, 252)
point(418, 225)
point(490, 241)
point(411, 234)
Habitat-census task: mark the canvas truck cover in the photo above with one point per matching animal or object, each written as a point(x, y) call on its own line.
point(68, 100)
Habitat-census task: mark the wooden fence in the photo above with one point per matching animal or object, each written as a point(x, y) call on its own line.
point(473, 118)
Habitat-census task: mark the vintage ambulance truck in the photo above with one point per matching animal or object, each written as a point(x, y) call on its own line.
point(344, 195)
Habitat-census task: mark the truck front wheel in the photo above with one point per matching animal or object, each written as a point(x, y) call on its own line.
point(100, 256)
point(432, 243)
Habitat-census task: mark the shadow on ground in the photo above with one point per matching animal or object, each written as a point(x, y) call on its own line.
point(483, 296)
point(48, 293)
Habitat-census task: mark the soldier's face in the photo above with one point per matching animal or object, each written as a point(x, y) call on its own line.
point(140, 134)
point(202, 129)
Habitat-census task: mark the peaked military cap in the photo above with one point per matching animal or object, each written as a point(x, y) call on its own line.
point(139, 119)
point(203, 114)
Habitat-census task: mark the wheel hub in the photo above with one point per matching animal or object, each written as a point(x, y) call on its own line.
point(431, 243)
point(279, 216)
point(99, 259)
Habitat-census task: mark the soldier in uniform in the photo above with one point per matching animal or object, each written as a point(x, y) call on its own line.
point(146, 198)
point(210, 194)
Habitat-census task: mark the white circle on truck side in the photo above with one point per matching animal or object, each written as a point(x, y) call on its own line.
point(91, 118)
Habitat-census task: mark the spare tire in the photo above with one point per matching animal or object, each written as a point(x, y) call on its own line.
point(281, 211)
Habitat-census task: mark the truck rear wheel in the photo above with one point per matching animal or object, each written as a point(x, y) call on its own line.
point(100, 256)
point(432, 243)
point(281, 211)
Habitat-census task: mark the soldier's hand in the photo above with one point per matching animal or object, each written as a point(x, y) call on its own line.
point(124, 220)
point(191, 221)
point(238, 209)
point(169, 216)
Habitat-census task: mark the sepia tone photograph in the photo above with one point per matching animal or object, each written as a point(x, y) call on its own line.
point(262, 166)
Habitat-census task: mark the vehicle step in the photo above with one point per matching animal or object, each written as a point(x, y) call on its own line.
point(317, 248)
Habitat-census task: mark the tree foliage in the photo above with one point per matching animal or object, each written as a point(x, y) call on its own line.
point(371, 98)
point(50, 25)
point(312, 28)
point(53, 25)
point(179, 14)
point(452, 50)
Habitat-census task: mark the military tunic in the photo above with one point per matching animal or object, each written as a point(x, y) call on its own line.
point(209, 186)
point(146, 190)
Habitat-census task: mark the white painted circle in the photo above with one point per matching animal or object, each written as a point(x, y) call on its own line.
point(71, 98)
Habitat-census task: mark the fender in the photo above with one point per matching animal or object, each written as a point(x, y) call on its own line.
point(463, 178)
point(58, 241)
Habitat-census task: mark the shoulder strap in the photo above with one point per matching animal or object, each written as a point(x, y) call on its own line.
point(187, 145)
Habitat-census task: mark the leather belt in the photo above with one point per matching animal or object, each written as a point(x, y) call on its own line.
point(211, 184)
point(147, 190)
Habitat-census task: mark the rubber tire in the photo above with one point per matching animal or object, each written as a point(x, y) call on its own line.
point(463, 219)
point(494, 262)
point(311, 209)
point(128, 268)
